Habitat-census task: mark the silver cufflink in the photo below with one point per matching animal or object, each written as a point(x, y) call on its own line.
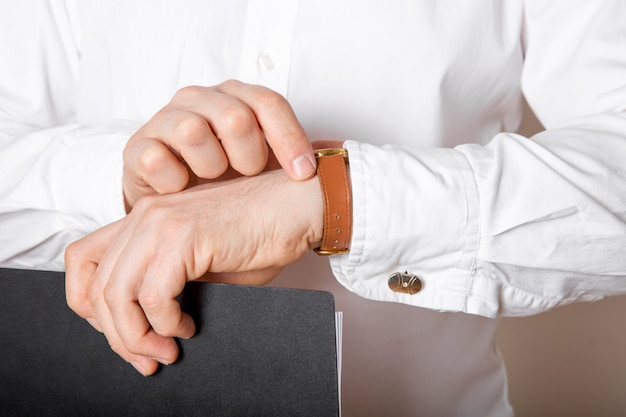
point(405, 283)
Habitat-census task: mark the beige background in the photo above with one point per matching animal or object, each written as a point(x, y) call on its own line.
point(568, 362)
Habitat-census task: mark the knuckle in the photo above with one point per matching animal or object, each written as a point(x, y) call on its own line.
point(133, 345)
point(152, 303)
point(188, 93)
point(229, 84)
point(239, 122)
point(149, 299)
point(166, 331)
point(72, 255)
point(165, 328)
point(109, 294)
point(117, 347)
point(192, 131)
point(73, 303)
point(123, 348)
point(94, 293)
point(135, 140)
point(75, 296)
point(150, 210)
point(78, 305)
point(151, 160)
point(157, 212)
point(266, 100)
point(145, 205)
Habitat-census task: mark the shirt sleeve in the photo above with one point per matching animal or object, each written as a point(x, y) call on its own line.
point(58, 180)
point(520, 225)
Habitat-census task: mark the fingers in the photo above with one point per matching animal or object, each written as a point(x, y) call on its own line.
point(81, 262)
point(144, 311)
point(135, 308)
point(151, 166)
point(145, 365)
point(234, 125)
point(282, 130)
point(206, 130)
point(83, 286)
point(127, 276)
point(241, 117)
point(216, 130)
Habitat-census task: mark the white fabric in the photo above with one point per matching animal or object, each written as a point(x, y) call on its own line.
point(517, 226)
point(494, 223)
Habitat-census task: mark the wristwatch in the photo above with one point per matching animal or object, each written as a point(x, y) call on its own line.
point(332, 171)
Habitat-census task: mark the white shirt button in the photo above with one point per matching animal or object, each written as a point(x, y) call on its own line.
point(265, 62)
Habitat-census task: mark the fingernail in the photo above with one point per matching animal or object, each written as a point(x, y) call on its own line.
point(162, 361)
point(94, 323)
point(139, 368)
point(303, 167)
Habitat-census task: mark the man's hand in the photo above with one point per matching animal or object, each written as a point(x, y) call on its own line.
point(204, 131)
point(124, 277)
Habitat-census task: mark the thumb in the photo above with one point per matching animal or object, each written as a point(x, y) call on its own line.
point(296, 159)
point(151, 167)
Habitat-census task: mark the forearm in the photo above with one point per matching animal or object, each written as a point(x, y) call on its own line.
point(553, 229)
point(54, 181)
point(57, 185)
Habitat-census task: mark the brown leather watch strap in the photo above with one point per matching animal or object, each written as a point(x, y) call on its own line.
point(332, 172)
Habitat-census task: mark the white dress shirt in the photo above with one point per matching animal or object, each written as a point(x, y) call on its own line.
point(424, 92)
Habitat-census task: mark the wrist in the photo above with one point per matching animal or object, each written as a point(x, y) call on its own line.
point(316, 204)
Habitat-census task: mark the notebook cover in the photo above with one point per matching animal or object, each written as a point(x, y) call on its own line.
point(258, 351)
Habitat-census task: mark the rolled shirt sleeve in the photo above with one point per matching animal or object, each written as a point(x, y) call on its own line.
point(58, 180)
point(512, 228)
point(58, 184)
point(520, 225)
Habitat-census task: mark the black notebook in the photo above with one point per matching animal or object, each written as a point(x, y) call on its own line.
point(258, 351)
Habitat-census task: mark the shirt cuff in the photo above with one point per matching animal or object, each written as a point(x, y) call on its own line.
point(67, 183)
point(415, 210)
point(88, 175)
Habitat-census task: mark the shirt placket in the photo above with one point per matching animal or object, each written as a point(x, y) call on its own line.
point(267, 43)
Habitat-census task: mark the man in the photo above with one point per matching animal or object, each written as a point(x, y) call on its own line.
point(488, 230)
